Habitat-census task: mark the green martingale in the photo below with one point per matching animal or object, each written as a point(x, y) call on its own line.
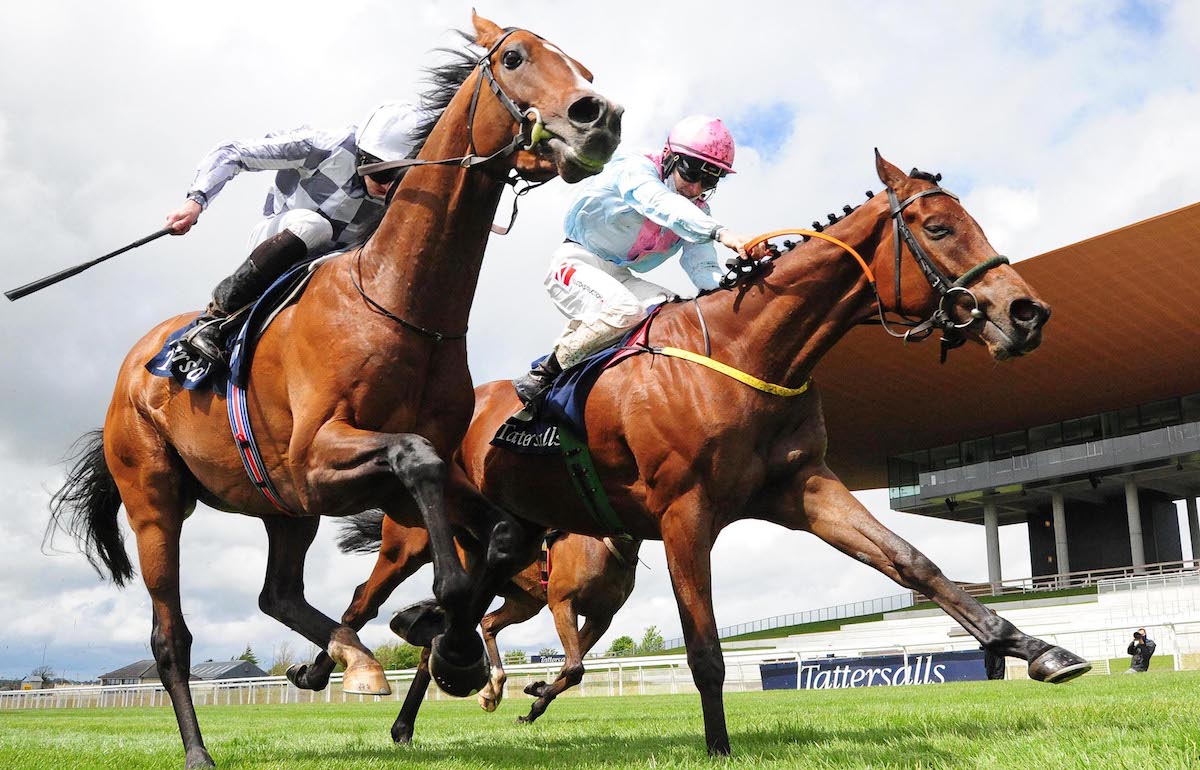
point(1100, 722)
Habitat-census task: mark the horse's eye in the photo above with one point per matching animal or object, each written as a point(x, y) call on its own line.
point(512, 60)
point(937, 231)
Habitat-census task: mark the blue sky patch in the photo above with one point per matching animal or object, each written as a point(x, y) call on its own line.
point(765, 127)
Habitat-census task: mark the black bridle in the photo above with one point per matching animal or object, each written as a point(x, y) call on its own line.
point(530, 122)
point(949, 290)
point(525, 139)
point(953, 335)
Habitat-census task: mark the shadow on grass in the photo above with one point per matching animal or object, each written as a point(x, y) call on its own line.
point(943, 744)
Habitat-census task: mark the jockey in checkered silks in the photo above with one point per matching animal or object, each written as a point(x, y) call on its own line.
point(632, 216)
point(319, 202)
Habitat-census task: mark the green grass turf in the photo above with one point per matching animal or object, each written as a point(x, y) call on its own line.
point(1149, 722)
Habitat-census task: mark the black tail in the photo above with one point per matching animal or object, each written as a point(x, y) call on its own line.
point(86, 508)
point(362, 532)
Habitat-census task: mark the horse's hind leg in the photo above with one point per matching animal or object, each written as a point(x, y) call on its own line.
point(831, 513)
point(282, 598)
point(517, 608)
point(403, 551)
point(150, 489)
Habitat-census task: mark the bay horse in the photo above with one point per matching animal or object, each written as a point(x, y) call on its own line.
point(361, 390)
point(589, 577)
point(684, 450)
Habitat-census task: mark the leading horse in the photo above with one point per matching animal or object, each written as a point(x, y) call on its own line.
point(686, 447)
point(360, 390)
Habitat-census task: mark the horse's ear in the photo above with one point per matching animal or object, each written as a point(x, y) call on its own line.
point(890, 175)
point(486, 32)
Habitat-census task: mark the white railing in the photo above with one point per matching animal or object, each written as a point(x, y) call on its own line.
point(645, 675)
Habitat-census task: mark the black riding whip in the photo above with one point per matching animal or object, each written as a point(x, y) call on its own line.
point(62, 275)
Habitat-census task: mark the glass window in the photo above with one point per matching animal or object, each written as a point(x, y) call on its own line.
point(1160, 414)
point(1082, 429)
point(1123, 422)
point(945, 457)
point(977, 451)
point(1045, 437)
point(1191, 408)
point(1009, 444)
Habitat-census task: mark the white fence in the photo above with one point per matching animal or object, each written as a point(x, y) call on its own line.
point(647, 675)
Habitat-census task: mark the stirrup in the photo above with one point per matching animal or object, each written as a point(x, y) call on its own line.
point(197, 340)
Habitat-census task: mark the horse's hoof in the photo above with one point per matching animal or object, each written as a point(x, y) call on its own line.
point(365, 680)
point(487, 702)
point(457, 679)
point(299, 674)
point(419, 623)
point(535, 689)
point(402, 734)
point(1057, 665)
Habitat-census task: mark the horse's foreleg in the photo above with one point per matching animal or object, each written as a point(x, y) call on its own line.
point(576, 642)
point(282, 598)
point(517, 608)
point(346, 459)
point(404, 550)
point(828, 510)
point(406, 720)
point(688, 534)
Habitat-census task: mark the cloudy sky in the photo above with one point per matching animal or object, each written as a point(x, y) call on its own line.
point(1054, 122)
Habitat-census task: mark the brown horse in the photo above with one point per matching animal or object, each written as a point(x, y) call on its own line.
point(360, 389)
point(684, 450)
point(589, 577)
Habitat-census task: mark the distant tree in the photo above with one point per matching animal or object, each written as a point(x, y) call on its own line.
point(45, 673)
point(398, 656)
point(548, 652)
point(248, 655)
point(284, 658)
point(622, 645)
point(652, 641)
point(515, 657)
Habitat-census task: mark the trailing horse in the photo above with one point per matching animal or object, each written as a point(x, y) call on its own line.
point(685, 449)
point(589, 577)
point(360, 388)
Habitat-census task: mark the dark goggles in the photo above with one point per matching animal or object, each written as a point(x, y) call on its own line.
point(382, 177)
point(693, 170)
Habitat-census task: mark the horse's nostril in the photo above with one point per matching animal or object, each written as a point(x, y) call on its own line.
point(586, 111)
point(1027, 312)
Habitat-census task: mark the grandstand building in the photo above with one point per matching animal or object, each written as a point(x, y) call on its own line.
point(1090, 440)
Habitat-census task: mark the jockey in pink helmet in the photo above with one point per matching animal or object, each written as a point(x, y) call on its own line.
point(632, 216)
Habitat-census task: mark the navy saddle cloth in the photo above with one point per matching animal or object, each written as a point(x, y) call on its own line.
point(563, 404)
point(194, 373)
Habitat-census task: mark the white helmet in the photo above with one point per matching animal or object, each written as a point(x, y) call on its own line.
point(388, 131)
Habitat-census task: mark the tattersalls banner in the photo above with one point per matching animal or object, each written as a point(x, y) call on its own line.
point(891, 670)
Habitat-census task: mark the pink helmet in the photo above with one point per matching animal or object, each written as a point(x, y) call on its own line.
point(703, 137)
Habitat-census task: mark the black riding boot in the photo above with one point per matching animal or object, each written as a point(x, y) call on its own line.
point(537, 380)
point(269, 260)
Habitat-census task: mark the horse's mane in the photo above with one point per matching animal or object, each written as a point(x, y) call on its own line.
point(847, 210)
point(441, 84)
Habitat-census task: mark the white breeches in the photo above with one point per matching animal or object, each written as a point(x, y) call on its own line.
point(308, 226)
point(602, 300)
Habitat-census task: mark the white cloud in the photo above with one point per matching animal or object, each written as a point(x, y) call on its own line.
point(1056, 121)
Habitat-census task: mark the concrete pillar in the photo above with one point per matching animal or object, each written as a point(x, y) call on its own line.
point(991, 526)
point(1194, 528)
point(1134, 511)
point(1061, 555)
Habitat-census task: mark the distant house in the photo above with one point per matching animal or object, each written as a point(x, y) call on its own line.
point(146, 672)
point(226, 669)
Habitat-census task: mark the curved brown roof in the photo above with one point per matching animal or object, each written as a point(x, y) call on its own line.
point(1125, 330)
